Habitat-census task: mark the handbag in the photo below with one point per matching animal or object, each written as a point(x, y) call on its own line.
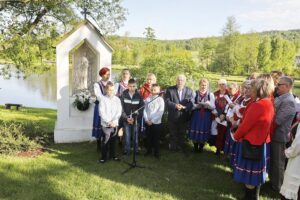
point(252, 152)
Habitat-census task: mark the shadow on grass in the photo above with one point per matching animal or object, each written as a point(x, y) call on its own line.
point(196, 176)
point(29, 184)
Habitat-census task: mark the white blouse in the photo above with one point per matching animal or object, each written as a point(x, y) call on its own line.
point(99, 92)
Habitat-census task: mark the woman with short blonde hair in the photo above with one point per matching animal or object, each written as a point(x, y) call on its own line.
point(145, 90)
point(264, 88)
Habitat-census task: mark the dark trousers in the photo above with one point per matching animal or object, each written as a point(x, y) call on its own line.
point(110, 146)
point(153, 133)
point(177, 134)
point(277, 164)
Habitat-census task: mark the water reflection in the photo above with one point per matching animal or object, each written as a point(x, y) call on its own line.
point(35, 91)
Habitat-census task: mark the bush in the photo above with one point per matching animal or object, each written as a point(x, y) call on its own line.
point(13, 139)
point(32, 130)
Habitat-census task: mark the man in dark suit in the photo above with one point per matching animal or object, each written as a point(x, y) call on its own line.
point(178, 102)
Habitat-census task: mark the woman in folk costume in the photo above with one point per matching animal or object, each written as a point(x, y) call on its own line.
point(219, 112)
point(99, 90)
point(145, 90)
point(203, 104)
point(250, 167)
point(123, 84)
point(235, 120)
point(268, 77)
point(290, 188)
point(235, 98)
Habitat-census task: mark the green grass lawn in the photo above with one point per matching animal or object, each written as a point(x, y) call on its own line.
point(71, 171)
point(44, 117)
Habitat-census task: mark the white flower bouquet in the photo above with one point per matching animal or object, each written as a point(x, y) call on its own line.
point(82, 100)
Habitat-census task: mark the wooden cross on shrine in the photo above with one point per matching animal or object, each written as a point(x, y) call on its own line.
point(85, 11)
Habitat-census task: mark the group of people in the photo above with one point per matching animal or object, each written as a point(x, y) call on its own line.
point(123, 106)
point(250, 124)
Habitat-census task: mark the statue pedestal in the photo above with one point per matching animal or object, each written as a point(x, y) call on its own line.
point(76, 128)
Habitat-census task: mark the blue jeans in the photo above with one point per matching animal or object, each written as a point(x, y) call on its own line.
point(129, 132)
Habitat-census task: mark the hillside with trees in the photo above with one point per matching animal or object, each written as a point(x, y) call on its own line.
point(231, 53)
point(31, 28)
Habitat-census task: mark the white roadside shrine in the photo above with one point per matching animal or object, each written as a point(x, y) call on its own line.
point(90, 52)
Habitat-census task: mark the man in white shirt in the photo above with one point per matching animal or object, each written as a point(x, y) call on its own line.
point(110, 109)
point(153, 112)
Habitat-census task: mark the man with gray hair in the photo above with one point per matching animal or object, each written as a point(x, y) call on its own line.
point(285, 107)
point(178, 102)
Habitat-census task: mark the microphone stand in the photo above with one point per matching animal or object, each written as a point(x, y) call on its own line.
point(134, 164)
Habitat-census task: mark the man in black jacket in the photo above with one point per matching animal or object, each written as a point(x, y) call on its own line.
point(131, 101)
point(178, 102)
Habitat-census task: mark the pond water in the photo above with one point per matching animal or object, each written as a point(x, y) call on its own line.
point(35, 91)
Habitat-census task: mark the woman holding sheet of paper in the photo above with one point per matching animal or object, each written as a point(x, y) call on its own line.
point(203, 104)
point(219, 112)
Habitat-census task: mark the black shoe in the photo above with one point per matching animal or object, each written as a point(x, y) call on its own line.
point(201, 147)
point(148, 153)
point(249, 194)
point(98, 145)
point(218, 152)
point(196, 147)
point(125, 153)
point(115, 159)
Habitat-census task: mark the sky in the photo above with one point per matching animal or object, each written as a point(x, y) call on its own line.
point(185, 19)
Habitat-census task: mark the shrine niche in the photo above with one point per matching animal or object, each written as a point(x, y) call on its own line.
point(84, 73)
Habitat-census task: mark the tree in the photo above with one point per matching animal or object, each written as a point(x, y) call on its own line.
point(227, 54)
point(149, 33)
point(249, 52)
point(31, 26)
point(264, 54)
point(230, 27)
point(207, 52)
point(288, 56)
point(167, 66)
point(277, 51)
